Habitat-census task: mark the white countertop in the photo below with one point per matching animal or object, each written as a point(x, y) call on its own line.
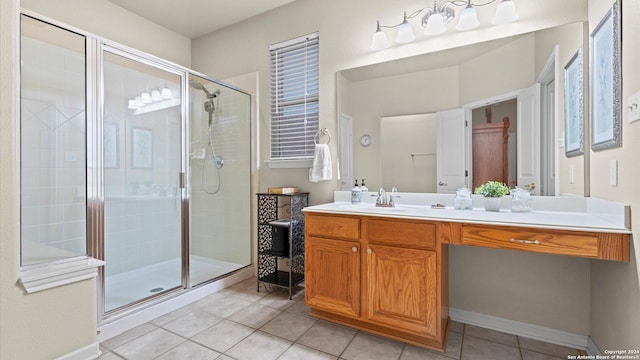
point(581, 214)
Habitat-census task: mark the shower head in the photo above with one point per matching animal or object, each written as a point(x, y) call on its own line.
point(198, 86)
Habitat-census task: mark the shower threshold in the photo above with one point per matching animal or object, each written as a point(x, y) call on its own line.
point(131, 286)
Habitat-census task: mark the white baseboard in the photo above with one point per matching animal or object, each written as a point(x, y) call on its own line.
point(88, 352)
point(592, 348)
point(117, 327)
point(559, 337)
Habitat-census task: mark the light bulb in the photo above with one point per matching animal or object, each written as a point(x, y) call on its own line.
point(132, 104)
point(139, 102)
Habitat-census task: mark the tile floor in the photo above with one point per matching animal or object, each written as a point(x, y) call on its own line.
point(240, 323)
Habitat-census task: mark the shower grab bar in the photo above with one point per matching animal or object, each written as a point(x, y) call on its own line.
point(422, 154)
point(323, 131)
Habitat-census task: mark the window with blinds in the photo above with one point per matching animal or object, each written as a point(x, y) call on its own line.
point(294, 97)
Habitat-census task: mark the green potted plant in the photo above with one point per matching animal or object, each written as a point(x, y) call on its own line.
point(493, 191)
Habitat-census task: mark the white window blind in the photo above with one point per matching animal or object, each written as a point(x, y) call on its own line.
point(294, 97)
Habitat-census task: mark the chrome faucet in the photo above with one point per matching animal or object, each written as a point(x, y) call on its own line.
point(385, 200)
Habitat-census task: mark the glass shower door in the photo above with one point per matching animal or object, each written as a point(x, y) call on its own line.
point(219, 180)
point(142, 162)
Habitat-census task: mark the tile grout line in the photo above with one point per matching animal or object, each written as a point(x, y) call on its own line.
point(519, 347)
point(462, 336)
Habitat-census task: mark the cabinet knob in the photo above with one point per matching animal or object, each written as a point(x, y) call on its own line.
point(369, 251)
point(354, 249)
point(440, 183)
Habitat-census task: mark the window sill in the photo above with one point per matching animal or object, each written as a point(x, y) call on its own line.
point(290, 164)
point(54, 275)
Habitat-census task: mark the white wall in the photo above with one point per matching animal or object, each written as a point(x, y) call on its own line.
point(615, 287)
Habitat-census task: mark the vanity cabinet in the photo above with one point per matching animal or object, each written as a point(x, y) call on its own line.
point(378, 274)
point(333, 276)
point(588, 244)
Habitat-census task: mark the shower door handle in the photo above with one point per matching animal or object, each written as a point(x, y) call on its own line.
point(181, 180)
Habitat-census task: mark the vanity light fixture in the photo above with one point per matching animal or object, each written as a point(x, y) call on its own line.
point(155, 96)
point(438, 16)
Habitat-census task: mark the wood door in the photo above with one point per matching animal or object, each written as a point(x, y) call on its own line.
point(332, 276)
point(402, 289)
point(490, 152)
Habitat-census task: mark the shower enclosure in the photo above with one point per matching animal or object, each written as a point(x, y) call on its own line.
point(176, 179)
point(219, 179)
point(132, 160)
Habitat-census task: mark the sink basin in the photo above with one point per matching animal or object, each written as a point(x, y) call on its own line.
point(370, 207)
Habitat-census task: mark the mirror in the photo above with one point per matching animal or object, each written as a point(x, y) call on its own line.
point(469, 77)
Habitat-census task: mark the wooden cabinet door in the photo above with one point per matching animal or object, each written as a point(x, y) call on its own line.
point(402, 289)
point(332, 275)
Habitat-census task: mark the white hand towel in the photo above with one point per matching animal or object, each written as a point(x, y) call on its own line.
point(321, 169)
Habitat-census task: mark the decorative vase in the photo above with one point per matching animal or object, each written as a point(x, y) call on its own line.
point(492, 203)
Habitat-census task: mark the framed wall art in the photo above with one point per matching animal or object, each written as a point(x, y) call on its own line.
point(141, 148)
point(574, 106)
point(605, 82)
point(110, 142)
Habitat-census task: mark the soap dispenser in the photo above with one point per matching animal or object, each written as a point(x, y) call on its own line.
point(356, 194)
point(363, 188)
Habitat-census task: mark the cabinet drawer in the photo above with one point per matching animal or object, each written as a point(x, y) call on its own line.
point(336, 227)
point(398, 232)
point(584, 244)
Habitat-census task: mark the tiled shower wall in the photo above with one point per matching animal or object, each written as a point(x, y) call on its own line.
point(142, 204)
point(53, 151)
point(219, 229)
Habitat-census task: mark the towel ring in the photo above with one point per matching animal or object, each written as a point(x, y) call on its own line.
point(324, 131)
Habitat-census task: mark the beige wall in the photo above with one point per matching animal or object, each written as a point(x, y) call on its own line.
point(483, 280)
point(42, 317)
point(408, 94)
point(401, 136)
point(344, 44)
point(615, 287)
point(103, 18)
point(545, 42)
point(345, 33)
point(58, 321)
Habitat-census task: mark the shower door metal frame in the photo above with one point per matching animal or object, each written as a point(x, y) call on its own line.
point(97, 199)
